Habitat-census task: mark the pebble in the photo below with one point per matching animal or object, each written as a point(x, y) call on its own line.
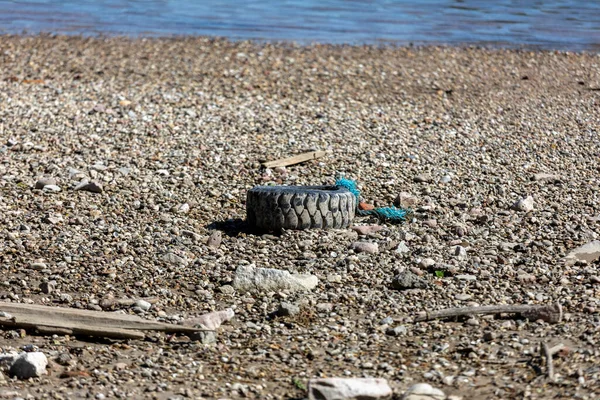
point(51, 188)
point(48, 287)
point(348, 389)
point(214, 240)
point(42, 182)
point(408, 280)
point(463, 297)
point(287, 309)
point(422, 178)
point(524, 204)
point(406, 200)
point(399, 330)
point(367, 229)
point(546, 178)
point(402, 248)
point(142, 304)
point(423, 391)
point(29, 365)
point(466, 277)
point(174, 259)
point(460, 252)
point(88, 186)
point(426, 263)
point(365, 247)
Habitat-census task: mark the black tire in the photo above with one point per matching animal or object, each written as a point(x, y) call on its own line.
point(273, 208)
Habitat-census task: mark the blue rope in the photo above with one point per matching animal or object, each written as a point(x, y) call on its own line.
point(391, 214)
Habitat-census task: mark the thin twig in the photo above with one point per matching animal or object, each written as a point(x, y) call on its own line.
point(549, 313)
point(549, 366)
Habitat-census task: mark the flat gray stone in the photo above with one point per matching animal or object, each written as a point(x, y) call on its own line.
point(589, 252)
point(348, 389)
point(287, 309)
point(44, 182)
point(250, 278)
point(87, 186)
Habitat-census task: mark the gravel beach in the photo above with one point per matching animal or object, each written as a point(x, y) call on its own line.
point(121, 159)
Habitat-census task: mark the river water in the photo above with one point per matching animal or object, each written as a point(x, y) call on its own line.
point(553, 24)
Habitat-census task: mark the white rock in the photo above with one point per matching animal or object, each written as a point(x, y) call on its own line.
point(250, 278)
point(143, 304)
point(51, 189)
point(29, 365)
point(589, 252)
point(348, 389)
point(524, 204)
point(402, 248)
point(423, 391)
point(212, 320)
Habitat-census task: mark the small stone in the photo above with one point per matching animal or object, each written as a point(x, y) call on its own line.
point(365, 247)
point(546, 178)
point(205, 337)
point(38, 265)
point(402, 248)
point(490, 336)
point(324, 307)
point(407, 280)
point(287, 309)
point(460, 252)
point(446, 179)
point(142, 304)
point(462, 297)
point(66, 298)
point(120, 366)
point(87, 186)
point(426, 263)
point(423, 391)
point(367, 229)
point(422, 178)
point(214, 240)
point(29, 365)
point(348, 389)
point(44, 182)
point(174, 259)
point(227, 289)
point(386, 321)
point(183, 208)
point(465, 277)
point(51, 189)
point(406, 200)
point(399, 330)
point(472, 322)
point(524, 204)
point(48, 287)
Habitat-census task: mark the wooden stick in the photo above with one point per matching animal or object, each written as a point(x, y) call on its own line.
point(549, 366)
point(284, 162)
point(59, 320)
point(549, 313)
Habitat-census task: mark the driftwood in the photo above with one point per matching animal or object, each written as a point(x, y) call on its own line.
point(70, 321)
point(549, 313)
point(284, 162)
point(548, 353)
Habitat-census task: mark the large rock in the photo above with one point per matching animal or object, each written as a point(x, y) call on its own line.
point(589, 252)
point(348, 389)
point(29, 365)
point(250, 278)
point(407, 280)
point(423, 391)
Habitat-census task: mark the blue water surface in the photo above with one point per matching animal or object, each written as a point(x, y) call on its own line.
point(552, 24)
